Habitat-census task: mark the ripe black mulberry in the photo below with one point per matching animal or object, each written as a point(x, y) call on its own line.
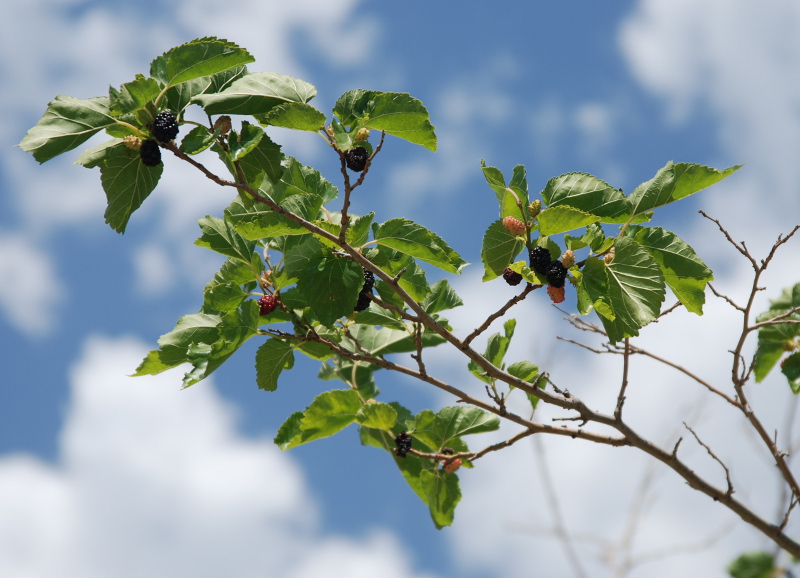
point(356, 159)
point(556, 274)
point(366, 291)
point(165, 128)
point(150, 153)
point(403, 441)
point(540, 260)
point(512, 277)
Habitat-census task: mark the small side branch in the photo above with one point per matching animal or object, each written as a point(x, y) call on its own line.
point(730, 490)
point(500, 312)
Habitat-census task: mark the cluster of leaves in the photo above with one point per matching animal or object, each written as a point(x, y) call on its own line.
point(775, 341)
point(280, 237)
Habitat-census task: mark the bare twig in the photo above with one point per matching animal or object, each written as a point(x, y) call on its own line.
point(500, 312)
point(713, 455)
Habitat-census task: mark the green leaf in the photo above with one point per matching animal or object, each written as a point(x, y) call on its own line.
point(256, 93)
point(94, 157)
point(198, 58)
point(560, 219)
point(296, 116)
point(413, 279)
point(67, 123)
point(790, 367)
point(753, 565)
point(178, 97)
point(675, 182)
point(513, 199)
point(220, 236)
point(377, 415)
point(245, 142)
point(353, 106)
point(412, 239)
point(298, 178)
point(441, 298)
point(527, 371)
point(330, 287)
point(127, 182)
point(197, 140)
point(775, 340)
point(329, 413)
point(134, 95)
point(589, 194)
point(499, 249)
point(263, 161)
point(683, 270)
point(635, 289)
point(224, 292)
point(385, 341)
point(442, 495)
point(272, 357)
point(400, 115)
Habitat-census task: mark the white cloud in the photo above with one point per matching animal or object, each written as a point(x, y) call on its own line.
point(30, 292)
point(734, 63)
point(153, 481)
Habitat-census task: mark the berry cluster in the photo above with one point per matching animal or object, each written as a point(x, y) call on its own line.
point(165, 127)
point(552, 269)
point(512, 277)
point(403, 441)
point(366, 291)
point(150, 153)
point(267, 304)
point(356, 159)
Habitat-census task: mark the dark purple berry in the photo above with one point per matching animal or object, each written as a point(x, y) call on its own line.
point(165, 128)
point(556, 274)
point(366, 291)
point(540, 260)
point(512, 277)
point(150, 153)
point(267, 304)
point(403, 441)
point(356, 159)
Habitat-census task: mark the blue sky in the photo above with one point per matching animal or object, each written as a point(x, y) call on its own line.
point(105, 475)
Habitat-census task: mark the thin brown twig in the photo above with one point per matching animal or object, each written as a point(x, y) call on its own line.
point(714, 456)
point(499, 313)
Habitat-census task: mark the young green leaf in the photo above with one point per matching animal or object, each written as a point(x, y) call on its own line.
point(196, 59)
point(377, 415)
point(775, 340)
point(330, 287)
point(256, 93)
point(197, 140)
point(753, 565)
point(513, 199)
point(94, 157)
point(245, 142)
point(179, 96)
point(559, 219)
point(133, 95)
point(401, 115)
point(329, 413)
point(441, 298)
point(442, 495)
point(415, 240)
point(67, 123)
point(452, 422)
point(272, 357)
point(499, 249)
point(224, 292)
point(127, 182)
point(353, 106)
point(220, 236)
point(683, 270)
point(588, 194)
point(413, 279)
point(296, 116)
point(674, 182)
point(263, 161)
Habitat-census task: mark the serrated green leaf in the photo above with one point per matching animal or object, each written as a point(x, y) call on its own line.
point(196, 59)
point(401, 115)
point(94, 157)
point(134, 95)
point(295, 116)
point(498, 250)
point(224, 292)
point(527, 371)
point(674, 182)
point(353, 106)
point(385, 341)
point(513, 199)
point(790, 367)
point(377, 415)
point(244, 142)
point(775, 340)
point(272, 357)
point(413, 279)
point(589, 194)
point(67, 123)
point(378, 316)
point(330, 287)
point(197, 140)
point(179, 96)
point(256, 93)
point(298, 178)
point(459, 421)
point(559, 219)
point(329, 413)
point(127, 182)
point(413, 239)
point(683, 270)
point(261, 222)
point(442, 495)
point(262, 162)
point(220, 236)
point(441, 298)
